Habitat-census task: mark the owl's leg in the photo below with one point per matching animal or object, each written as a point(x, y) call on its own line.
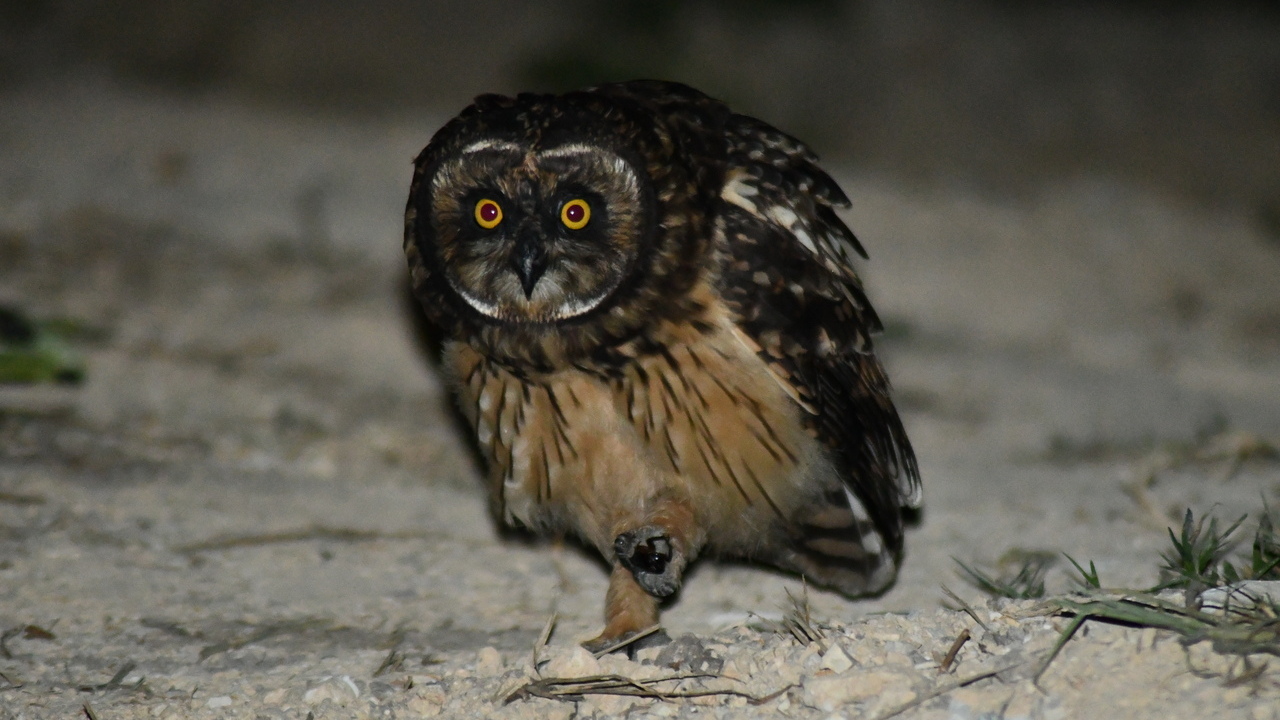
point(628, 609)
point(650, 555)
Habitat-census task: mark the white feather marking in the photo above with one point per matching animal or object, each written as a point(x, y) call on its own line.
point(443, 177)
point(564, 312)
point(507, 430)
point(736, 191)
point(784, 216)
point(482, 307)
point(490, 144)
point(581, 307)
point(570, 149)
point(486, 401)
point(871, 541)
point(619, 165)
point(843, 247)
point(856, 507)
point(807, 241)
point(484, 433)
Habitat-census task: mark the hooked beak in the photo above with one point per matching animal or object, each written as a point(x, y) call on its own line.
point(529, 260)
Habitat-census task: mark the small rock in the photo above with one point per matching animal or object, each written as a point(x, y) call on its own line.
point(536, 708)
point(688, 654)
point(609, 706)
point(648, 654)
point(488, 662)
point(891, 700)
point(571, 663)
point(339, 690)
point(426, 704)
point(973, 703)
point(220, 701)
point(275, 697)
point(1261, 712)
point(828, 692)
point(836, 660)
point(896, 658)
point(1247, 594)
point(866, 654)
point(618, 664)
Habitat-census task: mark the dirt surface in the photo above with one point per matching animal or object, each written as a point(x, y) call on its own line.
point(257, 504)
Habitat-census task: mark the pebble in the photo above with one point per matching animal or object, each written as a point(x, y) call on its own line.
point(972, 703)
point(488, 662)
point(828, 692)
point(536, 709)
point(571, 662)
point(426, 704)
point(836, 660)
point(339, 690)
point(609, 706)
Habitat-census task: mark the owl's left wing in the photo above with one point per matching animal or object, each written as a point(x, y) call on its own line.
point(786, 274)
point(788, 277)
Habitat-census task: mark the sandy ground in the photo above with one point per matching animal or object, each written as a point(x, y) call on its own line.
point(257, 505)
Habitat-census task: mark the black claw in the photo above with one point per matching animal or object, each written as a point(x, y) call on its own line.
point(652, 555)
point(649, 555)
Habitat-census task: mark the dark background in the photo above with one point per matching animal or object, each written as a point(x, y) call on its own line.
point(1183, 97)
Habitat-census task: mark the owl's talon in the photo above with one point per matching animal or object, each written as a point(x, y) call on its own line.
point(652, 557)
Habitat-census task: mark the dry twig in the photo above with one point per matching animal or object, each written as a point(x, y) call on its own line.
point(950, 657)
point(114, 682)
point(638, 635)
point(575, 689)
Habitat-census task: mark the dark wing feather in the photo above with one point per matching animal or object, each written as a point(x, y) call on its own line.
point(786, 273)
point(789, 277)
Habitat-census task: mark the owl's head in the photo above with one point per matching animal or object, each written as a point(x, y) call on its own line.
point(560, 221)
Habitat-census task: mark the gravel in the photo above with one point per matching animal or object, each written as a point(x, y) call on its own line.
point(258, 504)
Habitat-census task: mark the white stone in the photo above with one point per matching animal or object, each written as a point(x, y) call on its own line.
point(488, 662)
point(339, 690)
point(827, 692)
point(836, 660)
point(571, 663)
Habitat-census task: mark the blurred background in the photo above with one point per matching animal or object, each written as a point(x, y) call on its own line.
point(1181, 96)
point(1072, 212)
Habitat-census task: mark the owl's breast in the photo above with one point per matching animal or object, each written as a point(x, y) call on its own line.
point(699, 420)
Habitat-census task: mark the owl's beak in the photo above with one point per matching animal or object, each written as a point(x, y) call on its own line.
point(529, 260)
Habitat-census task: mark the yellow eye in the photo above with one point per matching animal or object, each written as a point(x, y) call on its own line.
point(575, 214)
point(488, 214)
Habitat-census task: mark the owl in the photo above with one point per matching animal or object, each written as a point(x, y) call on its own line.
point(653, 325)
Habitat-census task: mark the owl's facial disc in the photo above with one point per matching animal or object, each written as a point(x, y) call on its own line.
point(536, 236)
